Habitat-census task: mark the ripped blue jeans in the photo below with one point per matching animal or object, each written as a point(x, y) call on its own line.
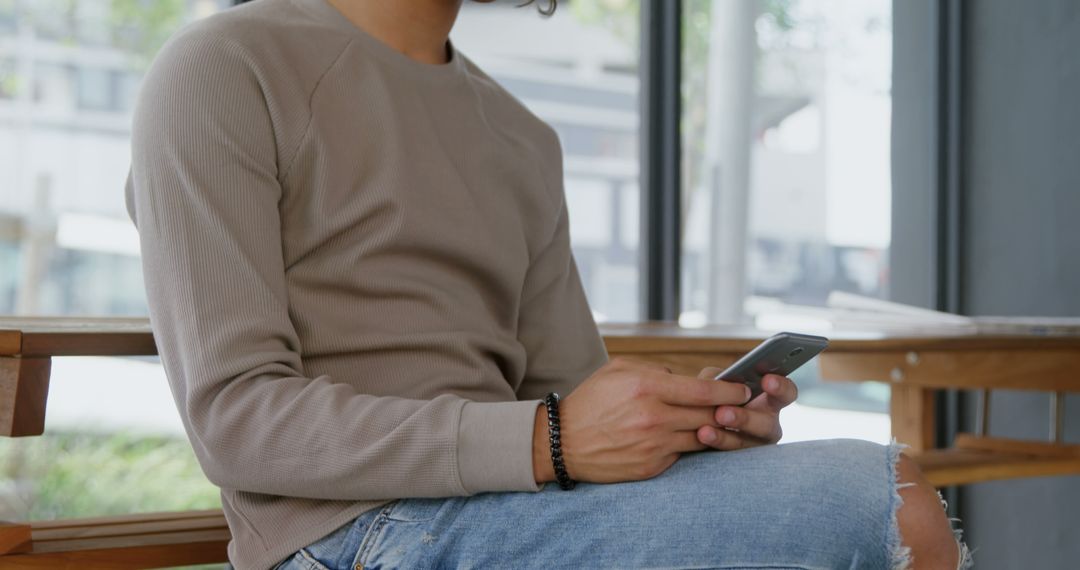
point(813, 505)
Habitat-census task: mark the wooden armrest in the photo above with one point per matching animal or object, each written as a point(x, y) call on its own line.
point(152, 540)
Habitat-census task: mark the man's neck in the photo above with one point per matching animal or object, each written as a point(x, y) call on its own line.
point(416, 28)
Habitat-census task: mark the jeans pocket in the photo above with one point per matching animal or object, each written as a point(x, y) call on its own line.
point(302, 560)
point(334, 549)
point(416, 510)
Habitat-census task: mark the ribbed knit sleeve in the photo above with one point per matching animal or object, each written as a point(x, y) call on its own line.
point(563, 346)
point(556, 326)
point(205, 193)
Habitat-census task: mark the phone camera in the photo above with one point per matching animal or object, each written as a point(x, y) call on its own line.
point(795, 352)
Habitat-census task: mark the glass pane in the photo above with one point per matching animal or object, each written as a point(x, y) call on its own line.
point(69, 71)
point(578, 72)
point(67, 87)
point(787, 126)
point(787, 193)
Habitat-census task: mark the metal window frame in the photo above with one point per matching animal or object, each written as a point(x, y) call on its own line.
point(660, 255)
point(946, 130)
point(948, 157)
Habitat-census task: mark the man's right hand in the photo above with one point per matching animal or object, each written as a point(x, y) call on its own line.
point(631, 421)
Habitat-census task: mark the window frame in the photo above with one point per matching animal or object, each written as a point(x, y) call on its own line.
point(661, 157)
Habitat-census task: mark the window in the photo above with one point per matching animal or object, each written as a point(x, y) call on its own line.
point(66, 92)
point(786, 176)
point(68, 73)
point(66, 95)
point(786, 126)
point(95, 87)
point(578, 72)
point(8, 84)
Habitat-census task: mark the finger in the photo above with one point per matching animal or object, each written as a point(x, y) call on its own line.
point(763, 425)
point(726, 440)
point(689, 418)
point(686, 441)
point(779, 392)
point(687, 391)
point(709, 372)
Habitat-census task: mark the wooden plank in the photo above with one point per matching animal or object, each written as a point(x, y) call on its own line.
point(9, 389)
point(945, 467)
point(127, 519)
point(669, 337)
point(10, 341)
point(1015, 446)
point(127, 541)
point(72, 336)
point(128, 529)
point(95, 325)
point(24, 389)
point(127, 553)
point(1035, 369)
point(14, 537)
point(89, 344)
point(911, 410)
point(848, 342)
point(144, 540)
point(76, 336)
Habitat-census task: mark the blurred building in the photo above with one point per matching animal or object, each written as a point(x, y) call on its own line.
point(818, 191)
point(69, 74)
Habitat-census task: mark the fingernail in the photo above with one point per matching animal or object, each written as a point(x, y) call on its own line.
point(727, 417)
point(772, 383)
point(746, 398)
point(709, 436)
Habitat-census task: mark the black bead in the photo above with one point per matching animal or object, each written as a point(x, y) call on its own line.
point(551, 401)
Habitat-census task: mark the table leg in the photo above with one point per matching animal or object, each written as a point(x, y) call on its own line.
point(14, 538)
point(911, 409)
point(24, 388)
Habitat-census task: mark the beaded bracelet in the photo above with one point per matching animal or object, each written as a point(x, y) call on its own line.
point(552, 403)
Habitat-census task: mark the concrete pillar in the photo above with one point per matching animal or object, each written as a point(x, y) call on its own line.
point(728, 137)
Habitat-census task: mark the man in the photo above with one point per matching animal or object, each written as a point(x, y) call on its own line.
point(357, 259)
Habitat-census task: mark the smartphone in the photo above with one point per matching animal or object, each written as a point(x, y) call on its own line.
point(780, 354)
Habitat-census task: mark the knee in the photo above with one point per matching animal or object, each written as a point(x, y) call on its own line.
point(924, 526)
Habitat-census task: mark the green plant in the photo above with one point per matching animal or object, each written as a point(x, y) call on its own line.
point(141, 27)
point(79, 474)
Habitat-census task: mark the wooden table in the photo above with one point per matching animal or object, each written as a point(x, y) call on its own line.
point(914, 365)
point(27, 346)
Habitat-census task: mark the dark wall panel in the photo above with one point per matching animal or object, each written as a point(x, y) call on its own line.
point(910, 253)
point(1022, 245)
point(1020, 242)
point(1023, 157)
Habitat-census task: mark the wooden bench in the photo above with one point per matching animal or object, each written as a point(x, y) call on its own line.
point(915, 366)
point(152, 540)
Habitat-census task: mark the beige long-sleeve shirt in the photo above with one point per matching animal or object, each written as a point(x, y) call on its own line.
point(358, 268)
